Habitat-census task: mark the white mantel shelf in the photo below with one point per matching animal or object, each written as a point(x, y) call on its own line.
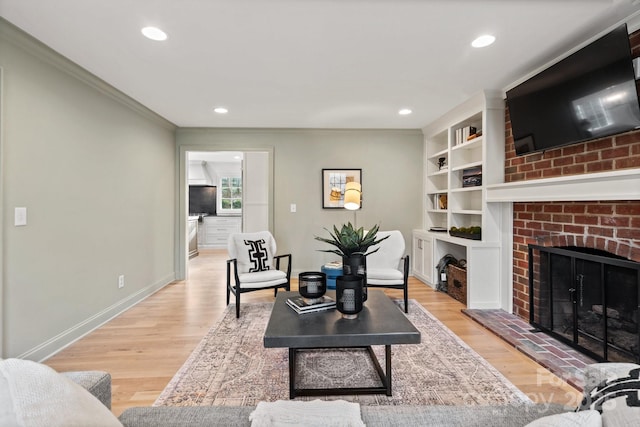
point(616, 185)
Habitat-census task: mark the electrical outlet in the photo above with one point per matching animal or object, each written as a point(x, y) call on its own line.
point(121, 281)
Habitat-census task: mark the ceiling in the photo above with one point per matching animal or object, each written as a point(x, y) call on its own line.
point(311, 63)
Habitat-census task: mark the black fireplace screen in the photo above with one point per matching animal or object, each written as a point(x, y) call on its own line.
point(588, 299)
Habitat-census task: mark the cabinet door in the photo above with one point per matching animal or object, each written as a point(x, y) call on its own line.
point(417, 256)
point(427, 260)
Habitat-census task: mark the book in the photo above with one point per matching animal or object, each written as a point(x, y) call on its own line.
point(301, 305)
point(311, 310)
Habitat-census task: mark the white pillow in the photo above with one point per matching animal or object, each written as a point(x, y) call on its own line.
point(254, 251)
point(568, 419)
point(34, 395)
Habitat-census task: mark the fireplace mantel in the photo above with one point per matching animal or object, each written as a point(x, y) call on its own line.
point(616, 185)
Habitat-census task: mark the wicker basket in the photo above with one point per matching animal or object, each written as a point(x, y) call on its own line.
point(457, 283)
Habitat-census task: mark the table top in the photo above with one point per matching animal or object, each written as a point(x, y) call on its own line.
point(380, 322)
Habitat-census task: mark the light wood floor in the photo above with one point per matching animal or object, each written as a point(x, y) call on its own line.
point(145, 346)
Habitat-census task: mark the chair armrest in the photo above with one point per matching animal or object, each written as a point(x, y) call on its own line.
point(288, 256)
point(97, 383)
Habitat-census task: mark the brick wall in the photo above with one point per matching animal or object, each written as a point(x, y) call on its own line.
point(610, 226)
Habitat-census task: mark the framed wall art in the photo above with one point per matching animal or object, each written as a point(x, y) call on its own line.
point(333, 183)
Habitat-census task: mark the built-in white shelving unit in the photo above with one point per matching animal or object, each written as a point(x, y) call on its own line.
point(449, 203)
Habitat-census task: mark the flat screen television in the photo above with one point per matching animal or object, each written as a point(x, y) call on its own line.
point(590, 94)
point(202, 199)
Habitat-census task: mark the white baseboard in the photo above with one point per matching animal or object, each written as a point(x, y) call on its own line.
point(54, 345)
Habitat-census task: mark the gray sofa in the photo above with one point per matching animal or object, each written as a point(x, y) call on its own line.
point(603, 383)
point(99, 384)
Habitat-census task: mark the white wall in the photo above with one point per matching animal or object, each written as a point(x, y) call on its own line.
point(391, 163)
point(96, 172)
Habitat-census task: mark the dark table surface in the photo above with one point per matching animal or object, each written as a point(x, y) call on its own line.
point(380, 322)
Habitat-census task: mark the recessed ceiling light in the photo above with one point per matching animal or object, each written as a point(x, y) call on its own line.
point(220, 110)
point(154, 33)
point(483, 41)
point(405, 111)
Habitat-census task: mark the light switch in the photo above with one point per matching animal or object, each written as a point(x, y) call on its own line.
point(20, 217)
point(293, 207)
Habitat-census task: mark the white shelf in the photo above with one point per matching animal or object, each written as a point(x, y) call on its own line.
point(439, 154)
point(467, 166)
point(467, 212)
point(465, 189)
point(472, 143)
point(440, 172)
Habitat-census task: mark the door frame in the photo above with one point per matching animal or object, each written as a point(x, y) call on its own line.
point(181, 214)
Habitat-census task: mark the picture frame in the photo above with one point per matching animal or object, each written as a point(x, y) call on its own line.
point(333, 183)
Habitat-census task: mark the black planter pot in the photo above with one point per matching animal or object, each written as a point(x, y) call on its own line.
point(349, 298)
point(356, 265)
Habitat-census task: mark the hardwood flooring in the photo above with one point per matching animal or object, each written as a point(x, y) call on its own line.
point(145, 346)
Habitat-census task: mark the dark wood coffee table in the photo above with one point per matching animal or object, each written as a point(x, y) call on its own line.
point(381, 322)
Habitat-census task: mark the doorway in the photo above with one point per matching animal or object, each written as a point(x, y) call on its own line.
point(243, 182)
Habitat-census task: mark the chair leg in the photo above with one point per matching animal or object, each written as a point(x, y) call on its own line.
point(228, 293)
point(406, 299)
point(237, 303)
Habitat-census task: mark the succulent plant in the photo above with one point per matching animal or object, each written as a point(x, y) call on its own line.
point(349, 240)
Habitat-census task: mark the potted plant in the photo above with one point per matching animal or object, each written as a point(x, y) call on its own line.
point(352, 245)
point(349, 240)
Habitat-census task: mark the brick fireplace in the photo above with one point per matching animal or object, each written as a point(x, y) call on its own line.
point(611, 226)
point(580, 221)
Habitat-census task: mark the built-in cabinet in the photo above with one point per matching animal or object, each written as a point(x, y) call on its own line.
point(214, 231)
point(456, 172)
point(422, 256)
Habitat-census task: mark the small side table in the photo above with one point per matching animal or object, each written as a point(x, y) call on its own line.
point(331, 272)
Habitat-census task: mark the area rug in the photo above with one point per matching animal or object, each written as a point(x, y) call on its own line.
point(230, 366)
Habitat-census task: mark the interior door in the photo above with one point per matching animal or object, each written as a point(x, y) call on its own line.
point(255, 202)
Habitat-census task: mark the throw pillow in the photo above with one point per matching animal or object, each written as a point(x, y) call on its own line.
point(617, 399)
point(254, 252)
point(34, 395)
point(568, 419)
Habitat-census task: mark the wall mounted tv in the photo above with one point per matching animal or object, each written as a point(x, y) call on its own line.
point(202, 199)
point(590, 94)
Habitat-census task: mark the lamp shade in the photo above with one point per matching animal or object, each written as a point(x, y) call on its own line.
point(352, 192)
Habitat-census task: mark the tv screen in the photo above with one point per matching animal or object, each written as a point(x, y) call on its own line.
point(590, 94)
point(202, 199)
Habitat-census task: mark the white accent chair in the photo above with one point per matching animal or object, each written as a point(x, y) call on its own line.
point(389, 267)
point(252, 257)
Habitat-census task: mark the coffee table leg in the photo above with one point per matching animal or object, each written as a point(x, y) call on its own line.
point(292, 373)
point(387, 362)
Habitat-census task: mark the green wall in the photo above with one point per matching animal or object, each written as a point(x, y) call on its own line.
point(391, 163)
point(96, 172)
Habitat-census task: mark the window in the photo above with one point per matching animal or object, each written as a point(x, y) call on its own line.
point(230, 194)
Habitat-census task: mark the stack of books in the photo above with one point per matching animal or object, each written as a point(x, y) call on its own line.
point(301, 305)
point(465, 134)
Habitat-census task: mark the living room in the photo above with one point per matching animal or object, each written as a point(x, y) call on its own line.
point(101, 176)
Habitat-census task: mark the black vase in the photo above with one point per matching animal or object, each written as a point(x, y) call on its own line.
point(349, 295)
point(312, 284)
point(356, 265)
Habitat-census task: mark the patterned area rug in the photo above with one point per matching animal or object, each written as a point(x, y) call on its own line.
point(231, 367)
